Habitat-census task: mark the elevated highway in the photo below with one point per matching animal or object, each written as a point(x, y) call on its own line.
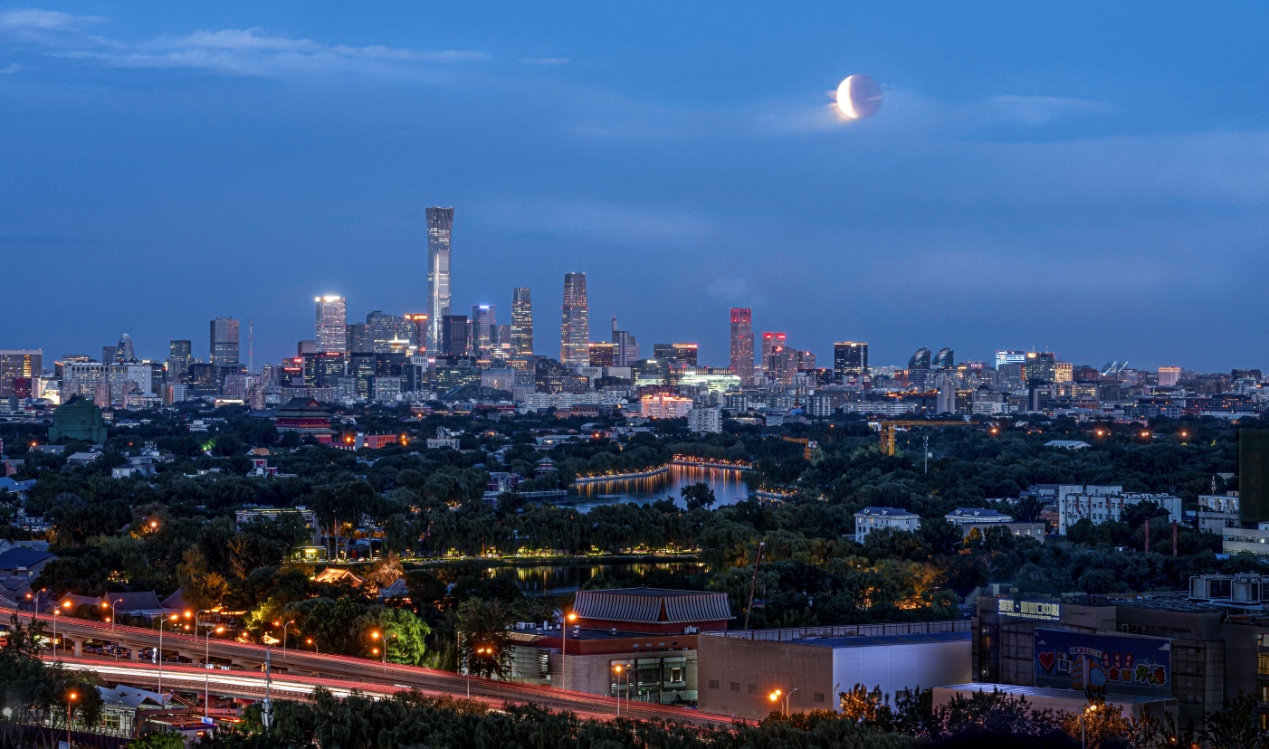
point(298, 668)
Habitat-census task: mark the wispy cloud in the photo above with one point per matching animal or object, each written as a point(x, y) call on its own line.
point(604, 222)
point(249, 51)
point(10, 69)
point(1038, 110)
point(546, 60)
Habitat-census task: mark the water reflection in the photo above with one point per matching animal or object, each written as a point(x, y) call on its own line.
point(728, 485)
point(551, 580)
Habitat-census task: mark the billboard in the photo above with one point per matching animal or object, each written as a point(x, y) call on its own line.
point(1097, 664)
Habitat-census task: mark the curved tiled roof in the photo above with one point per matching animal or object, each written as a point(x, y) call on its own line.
point(651, 606)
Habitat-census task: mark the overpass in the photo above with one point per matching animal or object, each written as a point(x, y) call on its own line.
point(306, 668)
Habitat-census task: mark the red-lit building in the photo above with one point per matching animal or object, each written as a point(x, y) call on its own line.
point(305, 417)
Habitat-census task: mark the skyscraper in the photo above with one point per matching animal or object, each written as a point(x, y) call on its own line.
point(455, 336)
point(742, 344)
point(124, 352)
point(484, 332)
point(180, 354)
point(575, 321)
point(521, 323)
point(440, 225)
point(850, 360)
point(627, 352)
point(418, 336)
point(18, 367)
point(332, 324)
point(224, 342)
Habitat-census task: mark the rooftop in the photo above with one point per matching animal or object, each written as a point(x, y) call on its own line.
point(884, 640)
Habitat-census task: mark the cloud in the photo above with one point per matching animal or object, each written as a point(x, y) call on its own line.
point(604, 222)
point(546, 60)
point(1038, 110)
point(44, 20)
point(10, 69)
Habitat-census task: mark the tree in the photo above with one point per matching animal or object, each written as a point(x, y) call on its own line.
point(485, 645)
point(1236, 726)
point(162, 740)
point(698, 496)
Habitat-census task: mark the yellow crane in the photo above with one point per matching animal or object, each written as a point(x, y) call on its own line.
point(888, 429)
point(808, 446)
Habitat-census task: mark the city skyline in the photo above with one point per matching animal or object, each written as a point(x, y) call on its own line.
point(1026, 177)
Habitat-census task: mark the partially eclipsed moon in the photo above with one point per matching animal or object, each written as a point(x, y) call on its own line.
point(858, 97)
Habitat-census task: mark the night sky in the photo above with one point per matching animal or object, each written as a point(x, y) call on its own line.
point(1089, 179)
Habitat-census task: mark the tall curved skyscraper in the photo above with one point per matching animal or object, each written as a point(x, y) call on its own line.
point(440, 224)
point(575, 321)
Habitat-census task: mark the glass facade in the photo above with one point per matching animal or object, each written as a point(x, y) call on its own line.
point(440, 225)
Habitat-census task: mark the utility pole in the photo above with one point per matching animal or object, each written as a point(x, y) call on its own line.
point(268, 684)
point(754, 582)
point(925, 452)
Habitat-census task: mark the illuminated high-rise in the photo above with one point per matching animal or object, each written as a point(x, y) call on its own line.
point(418, 335)
point(850, 360)
point(627, 351)
point(484, 329)
point(180, 354)
point(455, 336)
point(332, 324)
point(575, 321)
point(742, 344)
point(770, 342)
point(521, 323)
point(440, 225)
point(18, 368)
point(224, 342)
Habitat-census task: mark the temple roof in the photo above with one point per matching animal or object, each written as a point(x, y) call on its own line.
point(652, 606)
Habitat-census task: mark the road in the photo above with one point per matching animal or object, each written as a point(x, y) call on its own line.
point(301, 665)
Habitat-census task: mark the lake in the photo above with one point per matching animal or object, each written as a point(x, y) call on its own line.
point(728, 485)
point(556, 580)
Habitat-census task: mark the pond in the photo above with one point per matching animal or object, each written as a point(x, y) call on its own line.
point(728, 485)
point(556, 580)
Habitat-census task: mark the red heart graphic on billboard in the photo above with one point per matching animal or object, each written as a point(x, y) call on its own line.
point(1046, 660)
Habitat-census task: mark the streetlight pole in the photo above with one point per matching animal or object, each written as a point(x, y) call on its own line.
point(56, 612)
point(479, 651)
point(569, 618)
point(620, 669)
point(70, 710)
point(1083, 730)
point(284, 626)
point(159, 653)
point(206, 661)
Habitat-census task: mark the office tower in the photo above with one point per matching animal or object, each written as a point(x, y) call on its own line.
point(944, 359)
point(1005, 358)
point(418, 334)
point(575, 321)
point(388, 333)
point(920, 359)
point(1169, 376)
point(180, 354)
point(502, 342)
point(521, 323)
point(484, 324)
point(108, 354)
point(603, 354)
point(771, 341)
point(780, 364)
point(224, 342)
point(850, 360)
point(627, 352)
point(1253, 475)
point(19, 368)
point(440, 225)
point(123, 350)
point(678, 354)
point(742, 344)
point(332, 324)
point(358, 339)
point(455, 336)
point(1040, 366)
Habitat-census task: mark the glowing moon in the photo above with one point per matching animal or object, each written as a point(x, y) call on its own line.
point(858, 97)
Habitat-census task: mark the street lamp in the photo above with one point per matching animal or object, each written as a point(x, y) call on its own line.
point(56, 612)
point(309, 641)
point(620, 669)
point(114, 614)
point(206, 660)
point(779, 696)
point(1083, 733)
point(569, 618)
point(159, 653)
point(70, 709)
point(482, 650)
point(284, 627)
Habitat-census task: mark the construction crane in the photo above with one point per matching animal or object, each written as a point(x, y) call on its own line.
point(808, 446)
point(888, 429)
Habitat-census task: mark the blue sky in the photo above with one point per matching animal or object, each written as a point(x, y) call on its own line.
point(1086, 178)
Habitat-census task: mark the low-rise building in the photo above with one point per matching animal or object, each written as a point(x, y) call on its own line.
point(705, 420)
point(1075, 506)
point(871, 519)
point(740, 672)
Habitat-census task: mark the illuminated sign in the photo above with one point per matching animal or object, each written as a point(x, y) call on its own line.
point(1036, 610)
point(1097, 664)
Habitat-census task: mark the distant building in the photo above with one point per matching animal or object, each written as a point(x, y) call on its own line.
point(872, 519)
point(180, 354)
point(920, 359)
point(521, 323)
point(484, 329)
point(224, 342)
point(1099, 507)
point(662, 406)
point(1253, 475)
point(850, 360)
point(305, 417)
point(17, 365)
point(705, 420)
point(944, 359)
point(455, 337)
point(741, 339)
point(78, 420)
point(603, 354)
point(627, 351)
point(575, 321)
point(1169, 376)
point(440, 226)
